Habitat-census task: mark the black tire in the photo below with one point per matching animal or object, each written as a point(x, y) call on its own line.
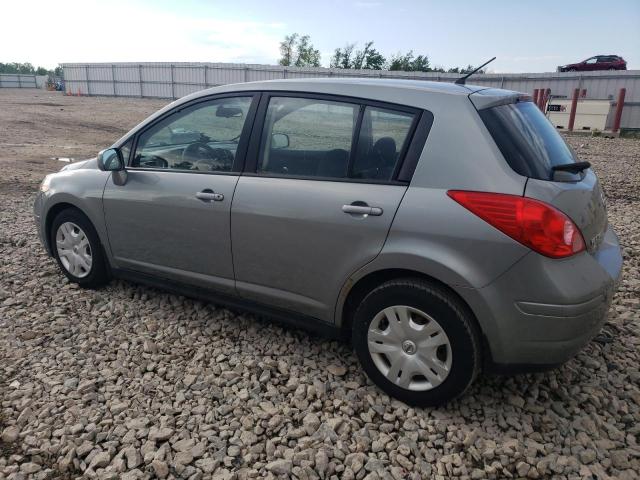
point(98, 273)
point(448, 311)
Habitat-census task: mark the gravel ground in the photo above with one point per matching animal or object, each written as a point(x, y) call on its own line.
point(130, 382)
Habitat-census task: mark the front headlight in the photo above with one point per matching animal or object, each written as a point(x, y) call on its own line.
point(44, 186)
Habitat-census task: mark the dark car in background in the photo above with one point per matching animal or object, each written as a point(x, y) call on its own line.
point(599, 62)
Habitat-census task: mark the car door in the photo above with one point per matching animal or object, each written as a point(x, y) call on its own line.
point(318, 197)
point(605, 63)
point(168, 214)
point(590, 64)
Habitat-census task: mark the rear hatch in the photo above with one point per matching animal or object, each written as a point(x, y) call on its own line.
point(533, 147)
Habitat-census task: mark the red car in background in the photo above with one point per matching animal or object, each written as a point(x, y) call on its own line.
point(599, 62)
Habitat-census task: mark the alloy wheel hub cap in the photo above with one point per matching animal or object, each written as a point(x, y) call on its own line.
point(409, 347)
point(74, 249)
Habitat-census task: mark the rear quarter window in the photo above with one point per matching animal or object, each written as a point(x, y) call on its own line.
point(527, 140)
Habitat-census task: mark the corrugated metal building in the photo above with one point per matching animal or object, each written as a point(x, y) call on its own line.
point(174, 80)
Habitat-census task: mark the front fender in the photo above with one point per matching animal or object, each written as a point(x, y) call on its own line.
point(82, 189)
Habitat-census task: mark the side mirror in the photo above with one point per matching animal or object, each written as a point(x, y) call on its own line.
point(279, 140)
point(110, 160)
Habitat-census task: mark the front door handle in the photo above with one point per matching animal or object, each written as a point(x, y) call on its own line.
point(362, 210)
point(207, 195)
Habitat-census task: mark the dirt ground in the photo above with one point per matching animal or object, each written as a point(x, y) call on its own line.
point(130, 382)
point(37, 125)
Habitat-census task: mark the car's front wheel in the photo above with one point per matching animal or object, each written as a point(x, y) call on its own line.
point(417, 341)
point(77, 249)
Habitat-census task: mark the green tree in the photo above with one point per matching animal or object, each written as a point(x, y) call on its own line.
point(307, 55)
point(296, 50)
point(16, 67)
point(409, 63)
point(369, 58)
point(348, 57)
point(287, 49)
point(343, 57)
point(28, 68)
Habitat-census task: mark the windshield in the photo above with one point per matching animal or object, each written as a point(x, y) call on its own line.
point(528, 141)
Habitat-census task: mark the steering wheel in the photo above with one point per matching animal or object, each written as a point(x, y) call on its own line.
point(203, 157)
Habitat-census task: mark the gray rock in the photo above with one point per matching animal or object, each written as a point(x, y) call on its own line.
point(10, 434)
point(160, 434)
point(100, 460)
point(161, 469)
point(280, 467)
point(30, 468)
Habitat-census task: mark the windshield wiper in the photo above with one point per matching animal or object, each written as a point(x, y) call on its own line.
point(576, 167)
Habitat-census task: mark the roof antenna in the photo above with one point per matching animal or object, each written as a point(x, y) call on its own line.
point(461, 80)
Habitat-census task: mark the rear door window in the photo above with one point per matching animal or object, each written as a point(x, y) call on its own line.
point(383, 137)
point(307, 137)
point(311, 137)
point(527, 140)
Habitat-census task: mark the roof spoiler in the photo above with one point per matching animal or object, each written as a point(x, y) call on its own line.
point(493, 97)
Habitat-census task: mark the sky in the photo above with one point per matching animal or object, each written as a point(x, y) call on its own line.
point(526, 36)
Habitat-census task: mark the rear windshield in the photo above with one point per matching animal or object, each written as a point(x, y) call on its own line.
point(527, 140)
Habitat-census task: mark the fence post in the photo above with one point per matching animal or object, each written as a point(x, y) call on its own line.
point(173, 83)
point(619, 106)
point(113, 78)
point(140, 78)
point(86, 76)
point(540, 95)
point(542, 98)
point(547, 96)
point(574, 105)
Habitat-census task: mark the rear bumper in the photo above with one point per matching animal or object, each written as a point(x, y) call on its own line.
point(541, 312)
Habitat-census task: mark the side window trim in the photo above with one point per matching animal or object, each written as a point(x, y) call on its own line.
point(408, 156)
point(355, 140)
point(415, 145)
point(245, 135)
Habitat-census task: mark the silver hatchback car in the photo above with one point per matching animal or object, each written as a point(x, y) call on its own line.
point(444, 229)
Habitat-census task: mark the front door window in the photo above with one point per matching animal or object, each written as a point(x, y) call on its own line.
point(203, 137)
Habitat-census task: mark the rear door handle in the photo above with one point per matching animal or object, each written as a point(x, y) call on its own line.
point(207, 195)
point(362, 210)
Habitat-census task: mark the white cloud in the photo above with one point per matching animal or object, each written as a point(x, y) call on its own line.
point(46, 33)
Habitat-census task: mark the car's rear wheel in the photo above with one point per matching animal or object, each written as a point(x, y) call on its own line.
point(77, 249)
point(417, 341)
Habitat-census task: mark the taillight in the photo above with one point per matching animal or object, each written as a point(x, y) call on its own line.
point(537, 225)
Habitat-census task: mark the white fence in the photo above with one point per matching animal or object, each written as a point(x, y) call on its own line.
point(18, 80)
point(174, 80)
